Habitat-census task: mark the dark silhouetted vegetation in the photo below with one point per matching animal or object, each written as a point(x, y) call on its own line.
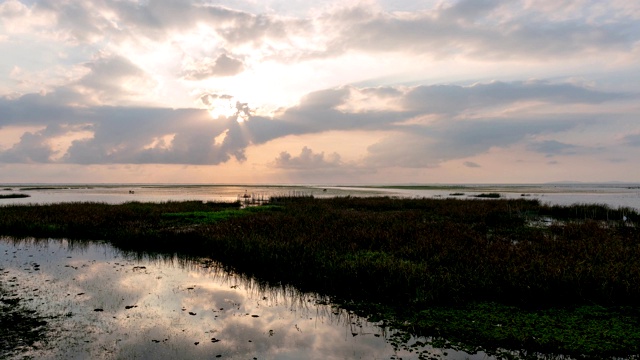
point(13, 196)
point(489, 195)
point(475, 272)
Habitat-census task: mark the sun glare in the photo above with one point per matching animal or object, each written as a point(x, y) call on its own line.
point(226, 107)
point(221, 111)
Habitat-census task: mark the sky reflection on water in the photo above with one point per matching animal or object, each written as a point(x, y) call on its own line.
point(613, 195)
point(111, 305)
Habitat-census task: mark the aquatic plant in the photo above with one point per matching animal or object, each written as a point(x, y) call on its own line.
point(488, 195)
point(411, 254)
point(14, 196)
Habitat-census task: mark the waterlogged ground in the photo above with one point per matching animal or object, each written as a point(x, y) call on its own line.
point(101, 303)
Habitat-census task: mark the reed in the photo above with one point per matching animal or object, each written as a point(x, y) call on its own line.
point(411, 254)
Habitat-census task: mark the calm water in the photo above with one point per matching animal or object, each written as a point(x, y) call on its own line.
point(172, 308)
point(613, 195)
point(114, 194)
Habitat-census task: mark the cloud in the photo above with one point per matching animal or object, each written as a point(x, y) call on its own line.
point(428, 146)
point(462, 123)
point(483, 29)
point(452, 99)
point(632, 140)
point(30, 149)
point(307, 160)
point(487, 29)
point(122, 135)
point(112, 79)
point(224, 65)
point(471, 164)
point(553, 147)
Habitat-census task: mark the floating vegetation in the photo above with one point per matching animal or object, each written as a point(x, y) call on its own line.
point(456, 194)
point(488, 195)
point(14, 196)
point(41, 188)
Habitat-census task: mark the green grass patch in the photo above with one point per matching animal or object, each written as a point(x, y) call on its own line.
point(209, 217)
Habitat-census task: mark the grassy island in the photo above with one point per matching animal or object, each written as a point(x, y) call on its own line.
point(514, 278)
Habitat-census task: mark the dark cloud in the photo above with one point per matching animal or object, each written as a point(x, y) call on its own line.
point(553, 147)
point(632, 139)
point(318, 112)
point(31, 149)
point(469, 9)
point(451, 99)
point(471, 164)
point(127, 135)
point(428, 146)
point(189, 136)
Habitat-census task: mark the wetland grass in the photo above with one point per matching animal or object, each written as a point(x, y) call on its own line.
point(468, 272)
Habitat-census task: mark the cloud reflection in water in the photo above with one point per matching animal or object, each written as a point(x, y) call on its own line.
point(171, 308)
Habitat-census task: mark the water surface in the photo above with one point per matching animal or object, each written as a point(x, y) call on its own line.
point(613, 195)
point(106, 304)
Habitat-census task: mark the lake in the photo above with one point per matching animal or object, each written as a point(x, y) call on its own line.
point(613, 195)
point(104, 303)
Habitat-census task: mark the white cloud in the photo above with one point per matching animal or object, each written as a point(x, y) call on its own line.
point(307, 160)
point(438, 80)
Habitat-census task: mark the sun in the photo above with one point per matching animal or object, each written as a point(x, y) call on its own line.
point(221, 111)
point(226, 107)
point(221, 108)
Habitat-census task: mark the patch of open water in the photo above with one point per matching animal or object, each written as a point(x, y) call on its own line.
point(108, 304)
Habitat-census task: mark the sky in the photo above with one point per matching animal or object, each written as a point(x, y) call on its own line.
point(319, 92)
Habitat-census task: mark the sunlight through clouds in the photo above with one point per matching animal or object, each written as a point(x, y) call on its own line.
point(436, 83)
